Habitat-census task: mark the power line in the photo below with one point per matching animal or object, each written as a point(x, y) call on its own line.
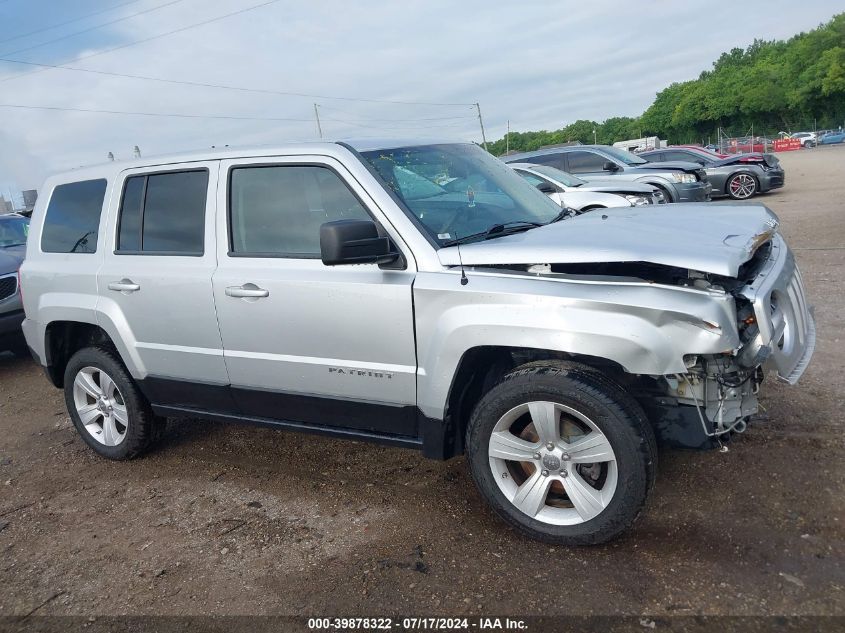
point(202, 84)
point(40, 67)
point(394, 127)
point(355, 117)
point(55, 26)
point(152, 114)
point(94, 28)
point(144, 40)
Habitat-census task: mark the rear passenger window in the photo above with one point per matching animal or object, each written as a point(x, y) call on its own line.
point(277, 211)
point(163, 214)
point(73, 217)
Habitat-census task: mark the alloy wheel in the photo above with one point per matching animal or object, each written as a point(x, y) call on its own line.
point(100, 406)
point(742, 186)
point(553, 463)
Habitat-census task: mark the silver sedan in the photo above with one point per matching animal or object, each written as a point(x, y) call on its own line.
point(574, 193)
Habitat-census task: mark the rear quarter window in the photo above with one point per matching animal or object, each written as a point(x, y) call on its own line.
point(72, 220)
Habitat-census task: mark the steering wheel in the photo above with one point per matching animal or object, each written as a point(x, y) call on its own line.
point(462, 212)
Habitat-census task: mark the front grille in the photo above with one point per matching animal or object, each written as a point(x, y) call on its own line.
point(8, 286)
point(783, 314)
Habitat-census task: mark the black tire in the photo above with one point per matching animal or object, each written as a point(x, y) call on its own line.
point(666, 195)
point(617, 415)
point(143, 429)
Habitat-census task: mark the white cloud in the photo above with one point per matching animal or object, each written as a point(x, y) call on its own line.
point(539, 64)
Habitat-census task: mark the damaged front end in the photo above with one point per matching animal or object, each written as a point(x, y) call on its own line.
point(711, 297)
point(777, 332)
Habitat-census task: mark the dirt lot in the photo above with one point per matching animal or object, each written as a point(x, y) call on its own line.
point(242, 520)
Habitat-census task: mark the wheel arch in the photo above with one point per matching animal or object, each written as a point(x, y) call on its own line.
point(482, 367)
point(660, 183)
point(63, 338)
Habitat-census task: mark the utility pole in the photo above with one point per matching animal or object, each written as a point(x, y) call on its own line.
point(594, 137)
point(507, 138)
point(317, 116)
point(481, 123)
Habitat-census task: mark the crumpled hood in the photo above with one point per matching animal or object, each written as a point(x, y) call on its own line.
point(711, 238)
point(11, 258)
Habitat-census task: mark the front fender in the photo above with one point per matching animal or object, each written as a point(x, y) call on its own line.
point(645, 328)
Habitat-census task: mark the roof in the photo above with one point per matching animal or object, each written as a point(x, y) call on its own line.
point(329, 148)
point(510, 158)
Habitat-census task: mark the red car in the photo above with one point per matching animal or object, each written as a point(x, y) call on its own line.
point(756, 157)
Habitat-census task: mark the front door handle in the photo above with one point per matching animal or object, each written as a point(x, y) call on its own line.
point(124, 285)
point(247, 290)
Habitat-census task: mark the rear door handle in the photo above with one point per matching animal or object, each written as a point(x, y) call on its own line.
point(124, 285)
point(247, 290)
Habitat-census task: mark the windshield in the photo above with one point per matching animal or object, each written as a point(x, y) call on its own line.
point(13, 232)
point(457, 190)
point(624, 155)
point(563, 177)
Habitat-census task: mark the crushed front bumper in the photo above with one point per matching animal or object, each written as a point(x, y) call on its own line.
point(787, 331)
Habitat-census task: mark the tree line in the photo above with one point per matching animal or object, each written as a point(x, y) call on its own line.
point(779, 85)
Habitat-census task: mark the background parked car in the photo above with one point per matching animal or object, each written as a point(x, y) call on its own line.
point(740, 176)
point(831, 138)
point(679, 182)
point(808, 139)
point(14, 229)
point(572, 192)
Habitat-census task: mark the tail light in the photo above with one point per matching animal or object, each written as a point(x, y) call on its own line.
point(20, 287)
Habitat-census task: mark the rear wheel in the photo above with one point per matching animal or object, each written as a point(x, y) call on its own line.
point(107, 408)
point(741, 186)
point(562, 453)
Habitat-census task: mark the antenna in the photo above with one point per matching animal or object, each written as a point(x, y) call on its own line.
point(464, 279)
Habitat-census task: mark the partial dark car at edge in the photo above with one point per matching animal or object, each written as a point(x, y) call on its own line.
point(740, 176)
point(13, 233)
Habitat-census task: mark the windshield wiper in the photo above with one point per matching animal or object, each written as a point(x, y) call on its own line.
point(565, 213)
point(497, 230)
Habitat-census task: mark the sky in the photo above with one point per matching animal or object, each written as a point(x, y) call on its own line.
point(388, 69)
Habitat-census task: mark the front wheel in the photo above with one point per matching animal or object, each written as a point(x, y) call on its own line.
point(562, 453)
point(741, 186)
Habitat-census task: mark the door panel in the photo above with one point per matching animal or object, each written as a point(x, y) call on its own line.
point(308, 335)
point(163, 304)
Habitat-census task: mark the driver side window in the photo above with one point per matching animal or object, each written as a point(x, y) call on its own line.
point(585, 162)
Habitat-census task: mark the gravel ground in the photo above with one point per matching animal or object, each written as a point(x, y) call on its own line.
point(242, 520)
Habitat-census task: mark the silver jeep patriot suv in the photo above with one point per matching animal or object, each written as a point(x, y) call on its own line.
point(421, 295)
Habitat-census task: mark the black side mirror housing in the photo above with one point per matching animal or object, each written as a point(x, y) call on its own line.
point(546, 187)
point(354, 242)
point(609, 165)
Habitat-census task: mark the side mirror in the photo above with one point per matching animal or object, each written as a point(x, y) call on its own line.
point(354, 242)
point(546, 187)
point(609, 165)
